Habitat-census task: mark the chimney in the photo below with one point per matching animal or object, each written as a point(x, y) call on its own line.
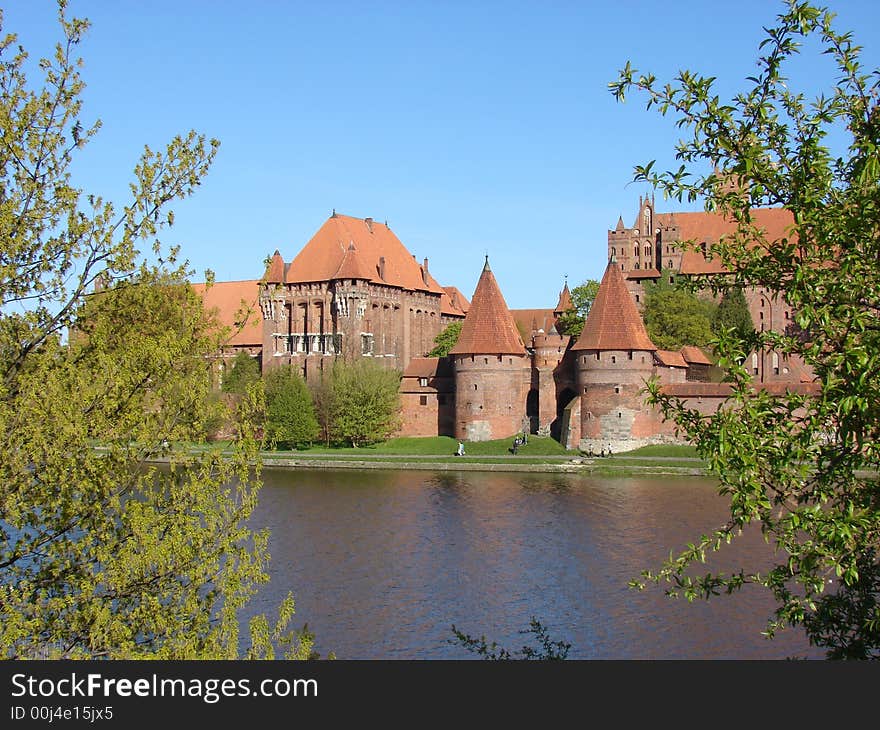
point(382, 268)
point(369, 222)
point(426, 263)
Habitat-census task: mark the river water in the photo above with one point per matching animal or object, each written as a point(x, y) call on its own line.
point(382, 564)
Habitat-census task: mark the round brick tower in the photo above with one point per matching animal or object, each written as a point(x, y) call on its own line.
point(615, 356)
point(492, 368)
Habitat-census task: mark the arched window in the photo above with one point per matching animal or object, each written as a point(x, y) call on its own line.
point(635, 251)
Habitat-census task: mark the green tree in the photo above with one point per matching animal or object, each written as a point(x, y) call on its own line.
point(290, 414)
point(245, 371)
point(801, 465)
point(675, 316)
point(102, 552)
point(366, 402)
point(446, 340)
point(582, 298)
point(733, 313)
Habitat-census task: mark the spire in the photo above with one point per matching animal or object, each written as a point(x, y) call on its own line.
point(275, 270)
point(488, 328)
point(614, 322)
point(564, 303)
point(620, 225)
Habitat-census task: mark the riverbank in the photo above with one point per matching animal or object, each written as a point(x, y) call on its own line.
point(607, 466)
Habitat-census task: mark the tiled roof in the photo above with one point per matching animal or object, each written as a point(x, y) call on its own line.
point(694, 354)
point(458, 299)
point(322, 257)
point(275, 272)
point(564, 303)
point(532, 320)
point(710, 227)
point(447, 304)
point(428, 367)
point(671, 358)
point(353, 266)
point(226, 298)
point(489, 327)
point(613, 322)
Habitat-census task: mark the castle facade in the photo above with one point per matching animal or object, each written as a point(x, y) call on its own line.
point(355, 291)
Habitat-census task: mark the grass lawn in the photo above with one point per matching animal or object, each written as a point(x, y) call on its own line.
point(443, 446)
point(681, 451)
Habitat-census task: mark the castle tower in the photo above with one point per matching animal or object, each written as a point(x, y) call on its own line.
point(492, 370)
point(564, 303)
point(615, 356)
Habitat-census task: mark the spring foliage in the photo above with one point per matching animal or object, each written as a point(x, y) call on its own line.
point(104, 553)
point(801, 465)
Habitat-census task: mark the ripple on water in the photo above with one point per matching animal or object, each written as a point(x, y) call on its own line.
point(382, 564)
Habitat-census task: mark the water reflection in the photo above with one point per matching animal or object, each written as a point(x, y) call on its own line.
point(383, 563)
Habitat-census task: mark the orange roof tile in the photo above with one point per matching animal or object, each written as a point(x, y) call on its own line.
point(323, 255)
point(428, 367)
point(489, 327)
point(710, 227)
point(693, 354)
point(225, 299)
point(564, 303)
point(447, 304)
point(353, 266)
point(532, 320)
point(670, 358)
point(458, 299)
point(613, 322)
point(275, 271)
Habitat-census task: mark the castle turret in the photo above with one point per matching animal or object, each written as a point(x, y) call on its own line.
point(492, 369)
point(615, 356)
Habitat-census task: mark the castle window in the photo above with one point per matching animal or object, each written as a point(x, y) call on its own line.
point(366, 344)
point(629, 355)
point(647, 250)
point(619, 414)
point(485, 361)
point(613, 251)
point(616, 388)
point(637, 298)
point(635, 250)
point(500, 359)
point(613, 358)
point(637, 264)
point(423, 382)
point(669, 264)
point(423, 400)
point(475, 386)
point(598, 356)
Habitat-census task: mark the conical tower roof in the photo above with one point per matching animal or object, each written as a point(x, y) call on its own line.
point(564, 303)
point(614, 323)
point(488, 328)
point(275, 271)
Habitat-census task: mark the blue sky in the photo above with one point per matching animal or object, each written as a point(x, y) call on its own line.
point(471, 127)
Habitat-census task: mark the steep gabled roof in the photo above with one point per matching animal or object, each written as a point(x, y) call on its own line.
point(225, 299)
point(488, 328)
point(613, 322)
point(532, 320)
point(710, 227)
point(322, 257)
